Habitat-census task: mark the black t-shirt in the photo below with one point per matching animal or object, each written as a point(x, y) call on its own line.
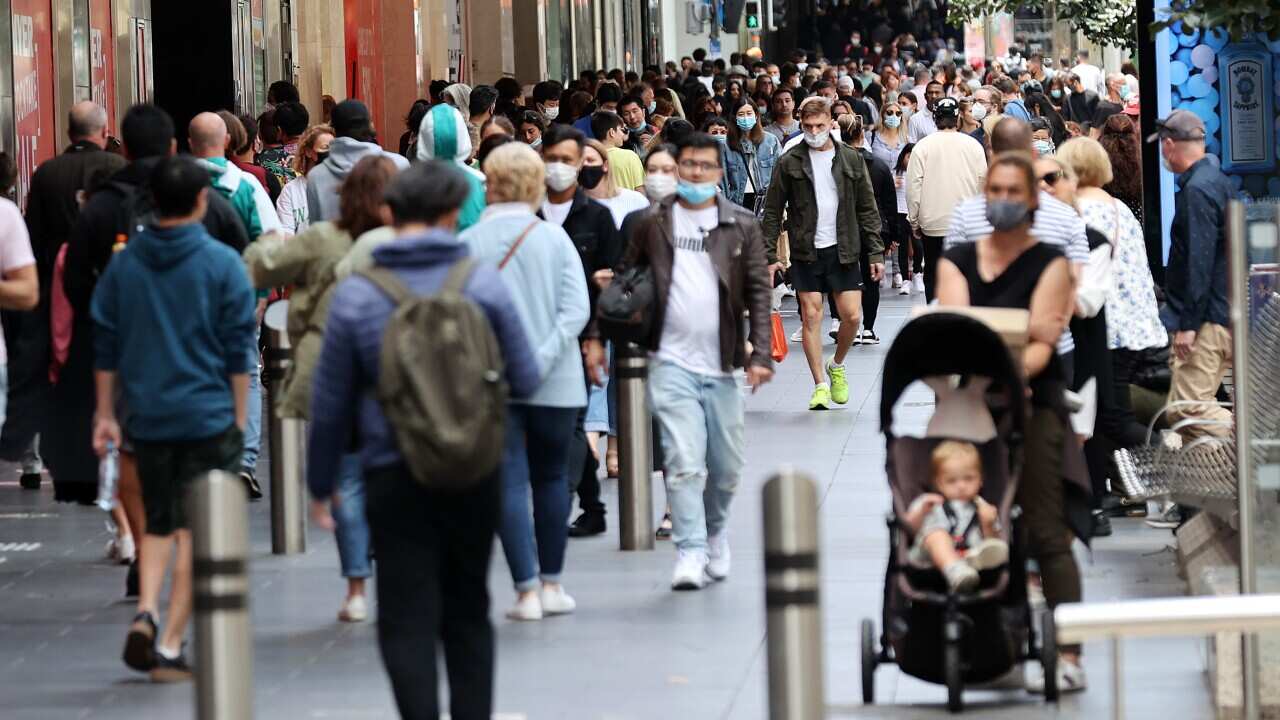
point(1105, 109)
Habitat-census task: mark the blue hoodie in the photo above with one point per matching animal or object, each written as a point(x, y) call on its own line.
point(346, 377)
point(173, 317)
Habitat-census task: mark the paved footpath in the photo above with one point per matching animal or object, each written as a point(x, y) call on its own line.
point(634, 650)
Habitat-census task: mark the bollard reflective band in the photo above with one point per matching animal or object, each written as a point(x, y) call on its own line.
point(790, 598)
point(219, 602)
point(776, 561)
point(622, 372)
point(203, 567)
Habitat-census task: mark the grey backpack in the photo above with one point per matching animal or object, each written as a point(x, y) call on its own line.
point(441, 382)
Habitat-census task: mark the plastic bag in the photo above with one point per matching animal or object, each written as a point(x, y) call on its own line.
point(778, 344)
point(108, 478)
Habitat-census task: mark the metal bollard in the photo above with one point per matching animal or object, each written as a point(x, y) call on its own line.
point(791, 598)
point(287, 439)
point(635, 450)
point(224, 641)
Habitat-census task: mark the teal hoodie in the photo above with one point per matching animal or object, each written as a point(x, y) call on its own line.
point(173, 317)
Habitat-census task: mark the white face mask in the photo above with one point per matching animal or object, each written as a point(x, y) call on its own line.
point(552, 112)
point(658, 186)
point(561, 176)
point(979, 111)
point(802, 66)
point(817, 140)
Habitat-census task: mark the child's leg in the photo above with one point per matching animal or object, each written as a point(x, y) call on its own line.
point(941, 549)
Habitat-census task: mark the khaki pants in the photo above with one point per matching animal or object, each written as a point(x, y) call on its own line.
point(1197, 378)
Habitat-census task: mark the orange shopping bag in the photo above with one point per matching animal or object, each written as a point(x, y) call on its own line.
point(778, 345)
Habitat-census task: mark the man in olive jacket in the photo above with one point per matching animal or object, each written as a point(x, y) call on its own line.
point(832, 225)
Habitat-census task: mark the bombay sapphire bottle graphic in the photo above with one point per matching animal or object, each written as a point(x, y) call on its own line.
point(1248, 122)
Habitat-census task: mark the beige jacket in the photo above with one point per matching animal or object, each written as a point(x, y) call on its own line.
point(305, 262)
point(945, 168)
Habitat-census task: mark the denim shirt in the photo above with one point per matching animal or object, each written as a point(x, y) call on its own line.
point(762, 158)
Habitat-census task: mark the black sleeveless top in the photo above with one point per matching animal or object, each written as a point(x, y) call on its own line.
point(1013, 289)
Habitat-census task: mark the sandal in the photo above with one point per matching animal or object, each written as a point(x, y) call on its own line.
point(664, 528)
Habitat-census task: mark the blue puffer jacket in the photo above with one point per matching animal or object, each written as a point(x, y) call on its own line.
point(761, 158)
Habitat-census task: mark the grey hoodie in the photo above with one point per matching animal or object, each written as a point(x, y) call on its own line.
point(324, 180)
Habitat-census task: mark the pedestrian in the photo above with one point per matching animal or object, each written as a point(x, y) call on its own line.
point(36, 407)
point(597, 176)
point(1010, 268)
point(291, 206)
point(887, 204)
point(291, 121)
point(541, 268)
point(174, 288)
point(1120, 141)
point(530, 129)
point(591, 227)
point(242, 148)
point(1091, 77)
point(910, 245)
point(784, 124)
point(1011, 99)
point(354, 137)
point(611, 131)
point(546, 100)
point(639, 132)
point(433, 546)
point(689, 241)
point(888, 139)
point(444, 136)
point(923, 122)
point(752, 155)
point(483, 100)
point(306, 264)
point(946, 168)
point(817, 184)
point(412, 121)
point(20, 291)
point(1196, 308)
point(607, 97)
point(1082, 104)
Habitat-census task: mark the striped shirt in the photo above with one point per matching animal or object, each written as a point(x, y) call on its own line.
point(1056, 223)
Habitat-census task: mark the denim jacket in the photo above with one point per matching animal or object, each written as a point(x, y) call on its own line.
point(760, 158)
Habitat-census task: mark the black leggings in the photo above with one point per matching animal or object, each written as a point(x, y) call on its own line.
point(870, 296)
point(910, 249)
point(932, 253)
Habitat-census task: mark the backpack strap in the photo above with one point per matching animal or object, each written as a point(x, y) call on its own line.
point(516, 245)
point(389, 283)
point(458, 275)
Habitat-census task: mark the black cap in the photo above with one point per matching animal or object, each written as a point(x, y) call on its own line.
point(946, 108)
point(1180, 125)
point(350, 118)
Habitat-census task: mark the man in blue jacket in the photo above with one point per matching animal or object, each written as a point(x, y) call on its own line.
point(174, 324)
point(432, 547)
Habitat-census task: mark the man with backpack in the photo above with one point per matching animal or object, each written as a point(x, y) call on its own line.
point(458, 347)
point(173, 326)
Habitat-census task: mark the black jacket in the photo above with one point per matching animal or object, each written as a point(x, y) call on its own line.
point(886, 196)
point(590, 226)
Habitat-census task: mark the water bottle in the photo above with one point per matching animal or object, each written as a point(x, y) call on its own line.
point(108, 478)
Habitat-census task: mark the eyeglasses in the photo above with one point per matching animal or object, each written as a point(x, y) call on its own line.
point(893, 112)
point(694, 165)
point(1051, 178)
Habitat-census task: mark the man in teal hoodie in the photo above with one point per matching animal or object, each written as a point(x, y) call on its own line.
point(174, 326)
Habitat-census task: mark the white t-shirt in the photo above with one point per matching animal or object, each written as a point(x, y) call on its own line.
point(15, 253)
point(555, 213)
point(824, 189)
point(623, 204)
point(691, 328)
point(291, 206)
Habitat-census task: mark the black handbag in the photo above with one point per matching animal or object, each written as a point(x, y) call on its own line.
point(624, 312)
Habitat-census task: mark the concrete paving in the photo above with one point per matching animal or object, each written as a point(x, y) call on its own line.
point(634, 649)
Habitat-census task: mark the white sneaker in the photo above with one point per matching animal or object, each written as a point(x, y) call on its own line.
point(897, 280)
point(778, 293)
point(918, 282)
point(718, 557)
point(527, 609)
point(555, 601)
point(126, 551)
point(798, 335)
point(1070, 678)
point(354, 609)
point(690, 572)
point(789, 292)
point(834, 332)
point(905, 288)
point(987, 554)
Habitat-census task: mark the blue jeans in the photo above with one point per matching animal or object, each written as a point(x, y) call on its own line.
point(536, 455)
point(253, 423)
point(702, 424)
point(352, 529)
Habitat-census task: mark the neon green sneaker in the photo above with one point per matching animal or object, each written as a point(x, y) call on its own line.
point(821, 398)
point(839, 384)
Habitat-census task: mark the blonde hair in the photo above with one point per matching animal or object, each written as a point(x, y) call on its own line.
point(302, 164)
point(814, 105)
point(1088, 160)
point(515, 173)
point(607, 186)
point(950, 450)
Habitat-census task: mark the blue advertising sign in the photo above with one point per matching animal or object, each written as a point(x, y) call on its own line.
point(1247, 102)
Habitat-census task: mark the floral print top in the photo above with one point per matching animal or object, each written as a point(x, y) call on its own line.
point(1133, 319)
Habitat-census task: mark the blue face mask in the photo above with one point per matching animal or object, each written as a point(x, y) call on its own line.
point(1056, 94)
point(722, 139)
point(695, 193)
point(1044, 147)
point(653, 106)
point(746, 123)
point(1124, 92)
point(892, 121)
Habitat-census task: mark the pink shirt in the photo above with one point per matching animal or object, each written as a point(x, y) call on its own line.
point(15, 249)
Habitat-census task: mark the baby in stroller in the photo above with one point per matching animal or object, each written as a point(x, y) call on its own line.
point(956, 531)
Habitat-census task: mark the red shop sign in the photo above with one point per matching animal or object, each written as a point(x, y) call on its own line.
point(32, 88)
point(102, 59)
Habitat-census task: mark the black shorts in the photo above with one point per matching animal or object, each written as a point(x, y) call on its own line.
point(826, 274)
point(166, 470)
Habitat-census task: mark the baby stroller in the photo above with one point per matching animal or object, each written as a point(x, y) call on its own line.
point(930, 633)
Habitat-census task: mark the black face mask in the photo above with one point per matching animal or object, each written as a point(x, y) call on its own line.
point(590, 176)
point(322, 156)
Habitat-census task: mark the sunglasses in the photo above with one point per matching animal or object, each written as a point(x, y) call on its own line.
point(893, 112)
point(1051, 178)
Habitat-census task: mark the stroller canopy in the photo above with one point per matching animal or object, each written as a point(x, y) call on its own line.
point(943, 343)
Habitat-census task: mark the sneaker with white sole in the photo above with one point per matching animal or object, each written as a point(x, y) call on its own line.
point(354, 609)
point(526, 609)
point(1170, 519)
point(798, 335)
point(918, 282)
point(718, 558)
point(897, 280)
point(834, 332)
point(1070, 677)
point(905, 288)
point(126, 551)
point(868, 337)
point(690, 572)
point(987, 554)
point(555, 601)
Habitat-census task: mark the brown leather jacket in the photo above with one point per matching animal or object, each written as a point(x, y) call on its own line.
point(737, 252)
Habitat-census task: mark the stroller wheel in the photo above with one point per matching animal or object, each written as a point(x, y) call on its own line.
point(869, 661)
point(1049, 656)
point(951, 663)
